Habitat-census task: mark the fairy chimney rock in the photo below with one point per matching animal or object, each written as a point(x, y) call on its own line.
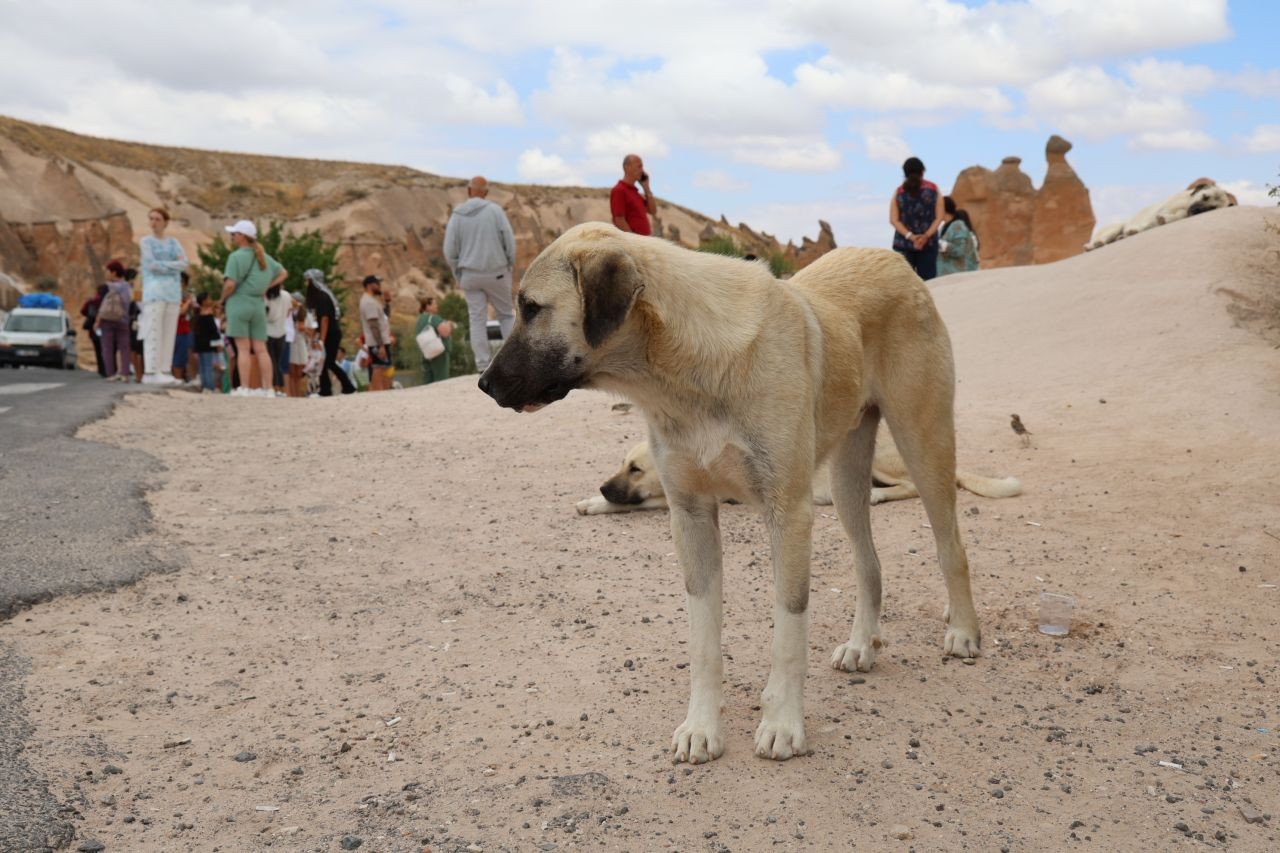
point(1063, 220)
point(1018, 224)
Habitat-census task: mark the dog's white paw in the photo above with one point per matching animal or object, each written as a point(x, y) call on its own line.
point(878, 495)
point(780, 735)
point(594, 505)
point(697, 741)
point(961, 642)
point(856, 657)
point(859, 654)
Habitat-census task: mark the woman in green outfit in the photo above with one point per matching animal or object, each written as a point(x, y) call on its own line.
point(250, 271)
point(436, 369)
point(959, 245)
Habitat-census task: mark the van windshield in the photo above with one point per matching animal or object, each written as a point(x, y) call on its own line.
point(42, 323)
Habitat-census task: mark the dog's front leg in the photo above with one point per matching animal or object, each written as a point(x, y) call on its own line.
point(695, 527)
point(781, 731)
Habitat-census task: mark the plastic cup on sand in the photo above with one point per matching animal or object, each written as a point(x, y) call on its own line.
point(1055, 613)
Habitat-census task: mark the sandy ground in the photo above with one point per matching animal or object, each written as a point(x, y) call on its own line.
point(393, 613)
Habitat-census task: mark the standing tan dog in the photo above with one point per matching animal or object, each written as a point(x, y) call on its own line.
point(747, 384)
point(638, 485)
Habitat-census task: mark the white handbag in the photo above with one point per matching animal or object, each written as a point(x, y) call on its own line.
point(429, 342)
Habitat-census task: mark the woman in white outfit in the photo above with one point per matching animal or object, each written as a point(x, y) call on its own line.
point(163, 262)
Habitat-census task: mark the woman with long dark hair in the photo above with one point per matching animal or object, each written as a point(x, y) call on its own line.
point(916, 213)
point(323, 303)
point(958, 248)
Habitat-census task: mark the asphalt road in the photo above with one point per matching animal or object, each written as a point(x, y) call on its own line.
point(71, 516)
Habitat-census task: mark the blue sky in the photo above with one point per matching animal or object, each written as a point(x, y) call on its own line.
point(776, 114)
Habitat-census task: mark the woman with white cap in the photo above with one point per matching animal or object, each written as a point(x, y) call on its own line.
point(250, 271)
point(324, 305)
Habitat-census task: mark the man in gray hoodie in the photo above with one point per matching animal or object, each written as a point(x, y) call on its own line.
point(481, 250)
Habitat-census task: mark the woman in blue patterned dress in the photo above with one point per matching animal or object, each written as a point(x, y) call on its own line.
point(916, 214)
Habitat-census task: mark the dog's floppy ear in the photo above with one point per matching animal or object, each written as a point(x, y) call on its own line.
point(609, 283)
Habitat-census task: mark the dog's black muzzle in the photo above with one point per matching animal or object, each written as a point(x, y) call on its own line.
point(616, 493)
point(521, 380)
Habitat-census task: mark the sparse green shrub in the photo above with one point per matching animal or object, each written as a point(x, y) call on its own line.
point(238, 189)
point(405, 355)
point(721, 244)
point(780, 266)
point(462, 361)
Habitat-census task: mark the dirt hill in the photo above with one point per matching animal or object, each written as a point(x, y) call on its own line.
point(69, 202)
point(423, 645)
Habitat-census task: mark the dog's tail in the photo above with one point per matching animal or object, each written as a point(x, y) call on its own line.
point(989, 487)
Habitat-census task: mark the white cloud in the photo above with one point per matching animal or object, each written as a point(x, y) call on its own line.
point(708, 97)
point(1265, 139)
point(1154, 75)
point(538, 168)
point(1092, 104)
point(1255, 83)
point(470, 102)
point(885, 146)
point(788, 157)
point(1006, 43)
point(720, 181)
point(622, 139)
point(1247, 192)
point(411, 81)
point(873, 87)
point(1172, 140)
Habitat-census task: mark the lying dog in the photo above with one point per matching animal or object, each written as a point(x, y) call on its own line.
point(637, 485)
point(1203, 195)
point(748, 384)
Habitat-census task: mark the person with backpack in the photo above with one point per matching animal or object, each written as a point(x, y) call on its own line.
point(112, 324)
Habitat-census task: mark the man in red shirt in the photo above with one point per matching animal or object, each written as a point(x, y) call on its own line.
point(630, 209)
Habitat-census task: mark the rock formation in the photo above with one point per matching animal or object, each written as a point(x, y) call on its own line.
point(69, 203)
point(1017, 224)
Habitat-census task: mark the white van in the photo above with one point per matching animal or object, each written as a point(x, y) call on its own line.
point(38, 336)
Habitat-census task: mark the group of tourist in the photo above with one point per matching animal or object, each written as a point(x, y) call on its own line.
point(257, 335)
point(270, 342)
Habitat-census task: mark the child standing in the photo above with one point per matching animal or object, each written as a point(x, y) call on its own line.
point(299, 350)
point(207, 341)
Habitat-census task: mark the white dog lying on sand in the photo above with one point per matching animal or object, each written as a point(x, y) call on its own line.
point(1203, 195)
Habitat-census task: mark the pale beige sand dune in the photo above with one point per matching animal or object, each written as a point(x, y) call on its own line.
point(416, 556)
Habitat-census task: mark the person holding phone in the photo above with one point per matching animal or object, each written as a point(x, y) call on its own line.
point(631, 209)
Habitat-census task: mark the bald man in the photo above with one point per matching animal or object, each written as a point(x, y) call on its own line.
point(481, 250)
point(630, 209)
